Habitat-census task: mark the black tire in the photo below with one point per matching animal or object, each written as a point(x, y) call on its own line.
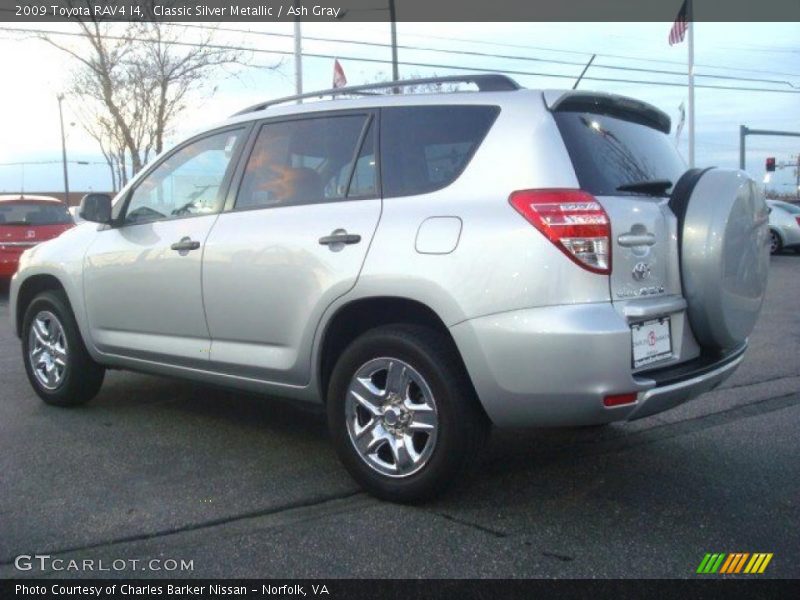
point(775, 243)
point(462, 425)
point(82, 376)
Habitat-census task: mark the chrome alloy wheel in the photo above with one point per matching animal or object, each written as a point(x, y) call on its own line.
point(391, 417)
point(774, 242)
point(47, 350)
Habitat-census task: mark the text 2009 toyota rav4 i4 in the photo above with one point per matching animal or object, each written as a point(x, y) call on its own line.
point(423, 265)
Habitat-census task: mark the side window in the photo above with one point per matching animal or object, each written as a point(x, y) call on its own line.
point(425, 148)
point(363, 183)
point(188, 182)
point(302, 162)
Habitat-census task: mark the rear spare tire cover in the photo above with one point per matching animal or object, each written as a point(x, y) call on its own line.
point(723, 225)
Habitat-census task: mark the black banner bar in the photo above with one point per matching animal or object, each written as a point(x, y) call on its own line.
point(400, 589)
point(406, 10)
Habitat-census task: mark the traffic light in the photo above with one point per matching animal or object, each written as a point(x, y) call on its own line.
point(770, 164)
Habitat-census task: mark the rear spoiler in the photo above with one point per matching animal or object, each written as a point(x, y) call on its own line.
point(608, 104)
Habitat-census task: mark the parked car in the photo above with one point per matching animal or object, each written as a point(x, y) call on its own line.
point(26, 221)
point(784, 226)
point(424, 266)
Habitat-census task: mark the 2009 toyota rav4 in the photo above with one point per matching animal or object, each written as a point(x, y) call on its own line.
point(425, 265)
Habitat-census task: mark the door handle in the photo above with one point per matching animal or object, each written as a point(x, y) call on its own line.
point(629, 240)
point(340, 236)
point(185, 245)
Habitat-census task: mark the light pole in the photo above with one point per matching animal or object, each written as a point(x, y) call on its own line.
point(298, 54)
point(393, 19)
point(63, 148)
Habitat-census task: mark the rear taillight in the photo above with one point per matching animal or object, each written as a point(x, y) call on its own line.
point(797, 219)
point(573, 220)
point(619, 399)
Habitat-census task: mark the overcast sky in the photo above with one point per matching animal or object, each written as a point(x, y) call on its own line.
point(32, 74)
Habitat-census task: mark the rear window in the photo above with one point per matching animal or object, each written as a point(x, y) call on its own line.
point(34, 213)
point(425, 148)
point(608, 152)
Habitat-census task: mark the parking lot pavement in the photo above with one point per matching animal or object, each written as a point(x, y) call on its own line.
point(250, 487)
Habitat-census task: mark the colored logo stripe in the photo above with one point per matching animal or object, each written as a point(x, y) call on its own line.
point(727, 564)
point(710, 564)
point(758, 563)
point(734, 563)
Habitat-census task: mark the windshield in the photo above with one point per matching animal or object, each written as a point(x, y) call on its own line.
point(609, 152)
point(34, 213)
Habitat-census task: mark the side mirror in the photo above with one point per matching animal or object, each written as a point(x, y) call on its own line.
point(96, 208)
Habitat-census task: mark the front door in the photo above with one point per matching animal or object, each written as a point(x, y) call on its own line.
point(142, 276)
point(295, 240)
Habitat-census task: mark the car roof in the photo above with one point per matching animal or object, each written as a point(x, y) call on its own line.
point(27, 198)
point(545, 98)
point(377, 101)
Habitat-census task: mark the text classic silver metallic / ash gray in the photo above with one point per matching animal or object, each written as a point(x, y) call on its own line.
point(424, 265)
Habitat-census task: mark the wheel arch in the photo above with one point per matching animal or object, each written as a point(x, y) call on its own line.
point(32, 287)
point(359, 316)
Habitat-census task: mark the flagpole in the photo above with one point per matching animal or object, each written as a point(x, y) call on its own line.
point(690, 17)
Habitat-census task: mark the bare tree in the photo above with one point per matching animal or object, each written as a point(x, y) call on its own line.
point(424, 88)
point(132, 80)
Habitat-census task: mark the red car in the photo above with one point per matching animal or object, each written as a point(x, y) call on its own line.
point(26, 221)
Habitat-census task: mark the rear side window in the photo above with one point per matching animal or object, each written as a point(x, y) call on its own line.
point(34, 213)
point(425, 148)
point(608, 152)
point(308, 161)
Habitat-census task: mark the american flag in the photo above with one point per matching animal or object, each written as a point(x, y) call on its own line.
point(679, 27)
point(339, 78)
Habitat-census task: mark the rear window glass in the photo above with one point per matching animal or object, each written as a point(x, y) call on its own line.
point(425, 148)
point(34, 213)
point(608, 152)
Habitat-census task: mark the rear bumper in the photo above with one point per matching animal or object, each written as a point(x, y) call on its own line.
point(553, 366)
point(676, 385)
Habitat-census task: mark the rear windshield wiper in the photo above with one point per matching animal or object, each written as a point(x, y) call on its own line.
point(654, 187)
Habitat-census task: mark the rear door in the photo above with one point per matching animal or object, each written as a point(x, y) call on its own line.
point(293, 240)
point(620, 152)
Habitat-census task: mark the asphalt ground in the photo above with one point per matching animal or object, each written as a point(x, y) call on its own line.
point(246, 486)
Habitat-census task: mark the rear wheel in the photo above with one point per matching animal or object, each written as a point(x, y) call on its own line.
point(775, 244)
point(56, 360)
point(402, 413)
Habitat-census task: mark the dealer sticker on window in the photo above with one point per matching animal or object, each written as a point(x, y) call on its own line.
point(651, 342)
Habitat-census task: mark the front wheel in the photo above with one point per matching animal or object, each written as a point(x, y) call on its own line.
point(56, 360)
point(403, 415)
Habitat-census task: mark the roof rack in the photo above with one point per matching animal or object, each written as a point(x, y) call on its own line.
point(487, 82)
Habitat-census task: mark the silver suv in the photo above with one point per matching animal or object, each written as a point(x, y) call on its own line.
point(423, 265)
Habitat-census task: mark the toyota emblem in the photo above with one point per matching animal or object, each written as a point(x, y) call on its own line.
point(641, 271)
